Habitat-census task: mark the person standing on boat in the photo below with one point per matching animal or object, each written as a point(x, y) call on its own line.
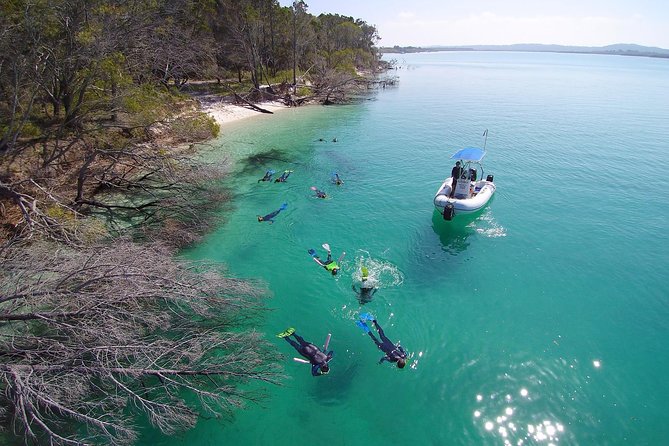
point(456, 173)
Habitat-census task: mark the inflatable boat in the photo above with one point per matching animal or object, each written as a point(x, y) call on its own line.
point(471, 194)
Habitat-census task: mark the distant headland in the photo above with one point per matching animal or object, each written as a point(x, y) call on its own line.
point(620, 49)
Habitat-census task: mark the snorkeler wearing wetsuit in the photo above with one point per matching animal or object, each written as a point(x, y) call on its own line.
point(367, 288)
point(270, 217)
point(393, 352)
point(267, 177)
point(317, 358)
point(284, 176)
point(336, 180)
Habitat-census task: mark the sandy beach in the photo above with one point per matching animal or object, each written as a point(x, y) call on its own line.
point(225, 112)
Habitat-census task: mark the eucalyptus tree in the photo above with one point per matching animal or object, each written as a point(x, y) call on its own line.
point(250, 33)
point(302, 35)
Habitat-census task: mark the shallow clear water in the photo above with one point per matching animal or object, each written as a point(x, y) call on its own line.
point(542, 320)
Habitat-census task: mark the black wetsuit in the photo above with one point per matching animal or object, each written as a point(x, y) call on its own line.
point(314, 354)
point(267, 177)
point(365, 293)
point(393, 352)
point(284, 176)
point(456, 173)
point(271, 215)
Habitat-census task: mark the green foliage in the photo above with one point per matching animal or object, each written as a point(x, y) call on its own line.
point(283, 76)
point(198, 127)
point(147, 103)
point(31, 130)
point(304, 91)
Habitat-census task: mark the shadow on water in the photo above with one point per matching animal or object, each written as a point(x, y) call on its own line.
point(253, 162)
point(339, 386)
point(453, 234)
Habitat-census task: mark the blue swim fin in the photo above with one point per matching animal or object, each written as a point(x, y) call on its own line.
point(366, 317)
point(283, 206)
point(362, 326)
point(312, 252)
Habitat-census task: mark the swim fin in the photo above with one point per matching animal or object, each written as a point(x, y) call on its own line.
point(312, 252)
point(283, 206)
point(326, 246)
point(285, 334)
point(366, 317)
point(362, 326)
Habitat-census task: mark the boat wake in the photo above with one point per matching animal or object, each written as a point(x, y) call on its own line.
point(486, 226)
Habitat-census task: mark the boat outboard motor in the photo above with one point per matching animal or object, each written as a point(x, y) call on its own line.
point(449, 211)
point(489, 178)
point(472, 174)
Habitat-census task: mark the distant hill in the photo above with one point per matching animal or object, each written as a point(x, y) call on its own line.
point(620, 49)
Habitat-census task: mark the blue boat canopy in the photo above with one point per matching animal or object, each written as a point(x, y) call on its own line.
point(469, 154)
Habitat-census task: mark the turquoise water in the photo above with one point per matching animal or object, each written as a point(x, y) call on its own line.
point(542, 320)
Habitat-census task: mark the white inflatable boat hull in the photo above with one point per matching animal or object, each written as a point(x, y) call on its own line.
point(482, 192)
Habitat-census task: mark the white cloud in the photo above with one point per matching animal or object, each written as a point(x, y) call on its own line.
point(406, 15)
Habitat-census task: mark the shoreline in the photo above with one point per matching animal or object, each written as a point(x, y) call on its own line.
point(226, 112)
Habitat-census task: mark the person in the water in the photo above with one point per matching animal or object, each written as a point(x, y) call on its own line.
point(336, 180)
point(270, 217)
point(367, 289)
point(317, 358)
point(329, 264)
point(393, 352)
point(268, 176)
point(319, 193)
point(284, 176)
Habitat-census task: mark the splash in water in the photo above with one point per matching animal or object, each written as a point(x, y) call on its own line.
point(380, 273)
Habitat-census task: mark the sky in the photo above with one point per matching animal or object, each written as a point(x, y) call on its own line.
point(504, 22)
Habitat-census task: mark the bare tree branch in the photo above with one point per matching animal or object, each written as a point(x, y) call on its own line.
point(86, 334)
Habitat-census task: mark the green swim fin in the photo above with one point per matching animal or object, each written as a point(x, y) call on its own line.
point(285, 334)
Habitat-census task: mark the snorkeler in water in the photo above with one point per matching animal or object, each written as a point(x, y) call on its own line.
point(319, 193)
point(284, 176)
point(393, 352)
point(336, 180)
point(268, 176)
point(329, 264)
point(319, 359)
point(270, 217)
point(366, 289)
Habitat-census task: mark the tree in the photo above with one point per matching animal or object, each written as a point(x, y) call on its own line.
point(299, 26)
point(21, 67)
point(92, 340)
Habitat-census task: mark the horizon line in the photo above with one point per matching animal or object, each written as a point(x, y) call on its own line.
point(519, 44)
